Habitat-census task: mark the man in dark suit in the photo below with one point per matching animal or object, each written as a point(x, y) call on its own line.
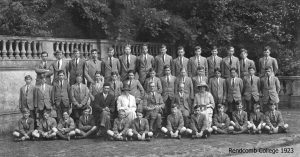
point(104, 108)
point(179, 62)
point(139, 129)
point(59, 64)
point(144, 63)
point(245, 63)
point(91, 67)
point(162, 60)
point(251, 89)
point(213, 61)
point(27, 97)
point(128, 62)
point(76, 67)
point(42, 68)
point(267, 61)
point(61, 94)
point(111, 64)
point(230, 62)
point(197, 61)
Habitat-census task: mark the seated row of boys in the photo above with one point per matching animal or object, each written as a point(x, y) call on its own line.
point(138, 129)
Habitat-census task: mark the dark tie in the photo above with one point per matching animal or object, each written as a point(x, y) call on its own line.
point(215, 62)
point(47, 124)
point(45, 65)
point(232, 84)
point(168, 80)
point(79, 88)
point(145, 60)
point(130, 83)
point(244, 64)
point(114, 84)
point(230, 62)
point(95, 61)
point(268, 80)
point(153, 95)
point(86, 118)
point(251, 81)
point(58, 64)
point(27, 90)
point(181, 62)
point(110, 62)
point(140, 124)
point(61, 84)
point(127, 61)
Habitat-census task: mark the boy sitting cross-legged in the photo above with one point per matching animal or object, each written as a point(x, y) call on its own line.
point(140, 128)
point(256, 120)
point(175, 123)
point(239, 123)
point(25, 127)
point(221, 121)
point(274, 120)
point(120, 128)
point(86, 126)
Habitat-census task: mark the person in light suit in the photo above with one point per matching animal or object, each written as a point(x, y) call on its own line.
point(200, 77)
point(179, 62)
point(156, 80)
point(245, 63)
point(127, 62)
point(97, 86)
point(109, 65)
point(127, 102)
point(168, 89)
point(267, 61)
point(162, 60)
point(27, 97)
point(76, 67)
point(42, 68)
point(25, 127)
point(188, 83)
point(197, 61)
point(91, 67)
point(213, 61)
point(230, 62)
point(184, 103)
point(59, 64)
point(274, 120)
point(144, 63)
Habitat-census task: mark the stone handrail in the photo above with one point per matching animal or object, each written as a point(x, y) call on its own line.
point(290, 91)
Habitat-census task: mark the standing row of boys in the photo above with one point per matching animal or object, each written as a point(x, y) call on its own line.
point(127, 89)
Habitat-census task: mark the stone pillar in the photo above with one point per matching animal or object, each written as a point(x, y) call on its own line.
point(295, 97)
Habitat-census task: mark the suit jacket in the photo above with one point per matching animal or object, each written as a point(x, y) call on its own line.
point(184, 101)
point(136, 89)
point(193, 65)
point(100, 103)
point(61, 94)
point(270, 91)
point(27, 100)
point(116, 91)
point(45, 125)
point(256, 118)
point(68, 125)
point(240, 119)
point(124, 69)
point(121, 125)
point(234, 92)
point(149, 101)
point(188, 85)
point(140, 126)
point(168, 89)
point(198, 122)
point(218, 91)
point(44, 97)
point(95, 89)
point(270, 62)
point(225, 66)
point(79, 96)
point(54, 69)
point(219, 119)
point(175, 122)
point(274, 119)
point(177, 65)
point(107, 68)
point(25, 126)
point(251, 90)
point(86, 124)
point(158, 86)
point(197, 80)
point(159, 64)
point(90, 68)
point(244, 66)
point(41, 69)
point(143, 66)
point(74, 70)
point(213, 65)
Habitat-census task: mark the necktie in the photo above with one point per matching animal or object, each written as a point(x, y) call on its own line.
point(61, 84)
point(145, 59)
point(130, 83)
point(244, 64)
point(45, 65)
point(58, 64)
point(110, 62)
point(76, 62)
point(232, 83)
point(182, 80)
point(199, 61)
point(230, 62)
point(214, 61)
point(168, 80)
point(27, 90)
point(94, 61)
point(265, 62)
point(47, 124)
point(79, 88)
point(140, 124)
point(153, 95)
point(86, 118)
point(128, 61)
point(114, 84)
point(268, 80)
point(163, 58)
point(43, 87)
point(251, 81)
point(181, 61)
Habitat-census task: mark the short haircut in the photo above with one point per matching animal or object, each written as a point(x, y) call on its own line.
point(57, 51)
point(114, 73)
point(163, 46)
point(174, 105)
point(200, 68)
point(268, 68)
point(28, 77)
point(180, 48)
point(166, 67)
point(239, 102)
point(220, 105)
point(233, 69)
point(244, 50)
point(130, 71)
point(196, 107)
point(217, 69)
point(106, 84)
point(151, 70)
point(267, 48)
point(145, 45)
point(44, 52)
point(93, 50)
point(75, 50)
point(215, 48)
point(128, 45)
point(78, 75)
point(97, 72)
point(251, 67)
point(111, 49)
point(61, 71)
point(197, 48)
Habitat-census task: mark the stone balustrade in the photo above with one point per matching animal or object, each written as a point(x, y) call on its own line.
point(290, 92)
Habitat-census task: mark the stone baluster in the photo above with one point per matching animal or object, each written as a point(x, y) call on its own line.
point(81, 50)
point(4, 51)
point(40, 50)
point(62, 48)
point(17, 50)
point(29, 50)
point(67, 49)
point(23, 51)
point(76, 46)
point(56, 46)
point(72, 49)
point(34, 51)
point(10, 50)
point(86, 52)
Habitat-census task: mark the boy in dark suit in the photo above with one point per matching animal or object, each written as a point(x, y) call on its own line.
point(127, 62)
point(239, 120)
point(115, 85)
point(221, 121)
point(251, 89)
point(175, 124)
point(139, 129)
point(87, 125)
point(58, 65)
point(27, 97)
point(168, 89)
point(200, 77)
point(198, 128)
point(25, 127)
point(274, 120)
point(120, 128)
point(257, 120)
